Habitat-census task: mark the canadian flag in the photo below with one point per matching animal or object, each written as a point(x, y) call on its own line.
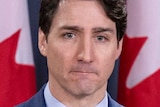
point(17, 72)
point(139, 77)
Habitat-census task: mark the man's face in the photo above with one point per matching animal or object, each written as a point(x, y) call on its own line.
point(81, 47)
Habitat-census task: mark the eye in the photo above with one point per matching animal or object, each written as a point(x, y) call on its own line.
point(69, 35)
point(101, 38)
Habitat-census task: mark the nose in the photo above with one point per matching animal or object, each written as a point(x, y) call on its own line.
point(86, 52)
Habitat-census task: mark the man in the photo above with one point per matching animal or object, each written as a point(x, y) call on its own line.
point(81, 40)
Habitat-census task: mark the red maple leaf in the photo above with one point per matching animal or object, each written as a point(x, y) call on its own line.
point(146, 93)
point(17, 81)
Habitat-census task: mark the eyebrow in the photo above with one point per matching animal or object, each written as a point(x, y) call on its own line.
point(94, 30)
point(73, 28)
point(101, 29)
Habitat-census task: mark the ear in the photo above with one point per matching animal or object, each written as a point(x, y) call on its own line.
point(119, 48)
point(42, 42)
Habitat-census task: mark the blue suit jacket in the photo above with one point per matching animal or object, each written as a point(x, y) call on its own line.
point(38, 101)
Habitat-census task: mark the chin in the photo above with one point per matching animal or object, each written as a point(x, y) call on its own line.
point(83, 89)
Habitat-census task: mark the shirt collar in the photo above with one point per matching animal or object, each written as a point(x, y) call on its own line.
point(51, 101)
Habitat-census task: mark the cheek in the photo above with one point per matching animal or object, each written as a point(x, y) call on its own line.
point(106, 63)
point(107, 68)
point(59, 58)
point(55, 58)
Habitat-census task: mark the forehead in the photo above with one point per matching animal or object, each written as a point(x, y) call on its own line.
point(70, 5)
point(81, 12)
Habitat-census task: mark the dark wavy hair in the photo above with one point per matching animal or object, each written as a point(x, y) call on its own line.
point(114, 9)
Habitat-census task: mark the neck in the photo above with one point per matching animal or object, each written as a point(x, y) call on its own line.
point(82, 100)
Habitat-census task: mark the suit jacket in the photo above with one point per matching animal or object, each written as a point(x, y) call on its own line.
point(38, 101)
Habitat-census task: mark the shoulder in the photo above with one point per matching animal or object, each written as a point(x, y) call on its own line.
point(113, 103)
point(36, 101)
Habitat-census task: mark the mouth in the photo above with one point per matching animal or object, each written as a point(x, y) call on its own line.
point(82, 73)
point(82, 69)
